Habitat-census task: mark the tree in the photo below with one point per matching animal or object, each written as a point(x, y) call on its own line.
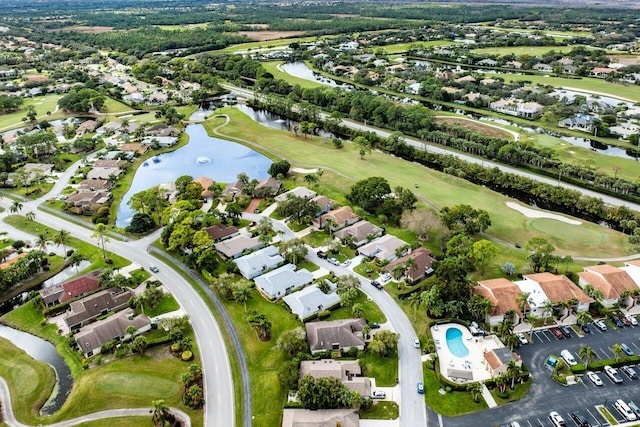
point(483, 251)
point(242, 294)
point(476, 391)
point(31, 215)
point(465, 218)
point(547, 310)
point(587, 354)
point(262, 325)
point(513, 371)
point(294, 250)
point(523, 300)
point(617, 351)
point(311, 179)
point(194, 397)
point(99, 232)
point(42, 241)
point(288, 375)
point(139, 344)
point(75, 259)
point(384, 343)
point(82, 100)
point(293, 341)
point(583, 317)
point(421, 222)
point(509, 269)
point(325, 393)
point(62, 238)
point(414, 301)
point(15, 207)
point(279, 168)
point(160, 412)
point(362, 145)
point(152, 295)
point(369, 193)
point(479, 307)
point(141, 223)
point(540, 254)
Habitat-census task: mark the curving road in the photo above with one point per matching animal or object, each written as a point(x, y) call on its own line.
point(219, 408)
point(611, 200)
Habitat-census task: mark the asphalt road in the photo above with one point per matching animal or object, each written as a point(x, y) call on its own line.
point(412, 407)
point(220, 406)
point(614, 201)
point(546, 395)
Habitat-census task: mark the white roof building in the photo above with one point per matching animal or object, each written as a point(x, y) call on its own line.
point(255, 263)
point(281, 281)
point(311, 300)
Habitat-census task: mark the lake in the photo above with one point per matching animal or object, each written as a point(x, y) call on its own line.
point(203, 156)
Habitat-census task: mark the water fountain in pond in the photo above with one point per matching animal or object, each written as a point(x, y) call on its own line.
point(203, 160)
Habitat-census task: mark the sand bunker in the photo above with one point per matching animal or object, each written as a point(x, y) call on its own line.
point(532, 213)
point(302, 170)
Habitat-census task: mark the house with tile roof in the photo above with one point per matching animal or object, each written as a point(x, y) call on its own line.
point(320, 418)
point(234, 247)
point(87, 309)
point(341, 217)
point(283, 280)
point(614, 283)
point(498, 359)
point(233, 189)
point(360, 232)
point(71, 289)
point(559, 289)
point(343, 334)
point(302, 192)
point(91, 338)
point(309, 301)
point(384, 248)
point(423, 261)
point(222, 231)
point(349, 372)
point(205, 183)
point(503, 295)
point(259, 262)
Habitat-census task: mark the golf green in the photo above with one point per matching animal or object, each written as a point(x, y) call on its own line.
point(562, 230)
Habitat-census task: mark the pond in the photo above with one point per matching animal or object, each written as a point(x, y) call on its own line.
point(203, 156)
point(302, 71)
point(275, 121)
point(611, 150)
point(45, 352)
point(66, 273)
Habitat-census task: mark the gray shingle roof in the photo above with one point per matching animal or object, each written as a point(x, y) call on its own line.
point(282, 280)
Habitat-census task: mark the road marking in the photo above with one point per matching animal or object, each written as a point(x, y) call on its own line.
point(593, 416)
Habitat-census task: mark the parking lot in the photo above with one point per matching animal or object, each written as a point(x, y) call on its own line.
point(546, 395)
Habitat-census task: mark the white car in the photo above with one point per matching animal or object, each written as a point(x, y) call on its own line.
point(556, 419)
point(600, 324)
point(333, 261)
point(416, 342)
point(523, 340)
point(632, 319)
point(154, 268)
point(595, 379)
point(386, 277)
point(347, 263)
point(378, 394)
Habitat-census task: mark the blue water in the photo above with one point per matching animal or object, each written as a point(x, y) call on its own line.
point(455, 344)
point(203, 156)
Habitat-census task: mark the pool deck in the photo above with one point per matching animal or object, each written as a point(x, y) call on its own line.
point(470, 368)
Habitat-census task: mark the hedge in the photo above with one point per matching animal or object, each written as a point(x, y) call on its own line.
point(600, 364)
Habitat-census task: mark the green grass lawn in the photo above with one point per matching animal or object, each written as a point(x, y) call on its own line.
point(261, 45)
point(554, 33)
point(403, 47)
point(88, 250)
point(586, 83)
point(308, 265)
point(132, 381)
point(30, 381)
point(315, 238)
point(516, 394)
point(371, 312)
point(42, 104)
point(523, 50)
point(272, 67)
point(450, 404)
point(381, 411)
point(112, 106)
point(343, 167)
point(120, 422)
point(384, 370)
point(166, 305)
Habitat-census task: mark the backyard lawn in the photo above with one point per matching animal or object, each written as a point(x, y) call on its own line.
point(343, 167)
point(43, 105)
point(449, 404)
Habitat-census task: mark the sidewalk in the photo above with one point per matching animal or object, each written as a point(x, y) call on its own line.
point(491, 403)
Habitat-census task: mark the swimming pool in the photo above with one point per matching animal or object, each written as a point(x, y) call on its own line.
point(455, 344)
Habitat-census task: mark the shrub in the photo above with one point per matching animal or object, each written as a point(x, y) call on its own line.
point(187, 355)
point(324, 314)
point(448, 389)
point(17, 244)
point(175, 347)
point(70, 252)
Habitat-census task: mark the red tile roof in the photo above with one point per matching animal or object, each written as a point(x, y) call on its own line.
point(79, 286)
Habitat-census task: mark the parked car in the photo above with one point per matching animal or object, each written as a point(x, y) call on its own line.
point(566, 331)
point(616, 321)
point(321, 254)
point(386, 277)
point(557, 332)
point(595, 379)
point(378, 394)
point(375, 325)
point(416, 342)
point(600, 324)
point(333, 261)
point(523, 340)
point(347, 263)
point(556, 419)
point(586, 328)
point(630, 372)
point(624, 410)
point(634, 408)
point(612, 373)
point(627, 350)
point(625, 321)
point(420, 388)
point(579, 419)
point(154, 268)
point(632, 319)
point(376, 284)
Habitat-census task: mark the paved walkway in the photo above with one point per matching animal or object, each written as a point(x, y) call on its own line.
point(9, 417)
point(491, 403)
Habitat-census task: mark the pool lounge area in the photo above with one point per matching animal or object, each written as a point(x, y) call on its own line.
point(462, 356)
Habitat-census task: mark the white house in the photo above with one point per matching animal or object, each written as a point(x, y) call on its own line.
point(281, 281)
point(256, 263)
point(309, 301)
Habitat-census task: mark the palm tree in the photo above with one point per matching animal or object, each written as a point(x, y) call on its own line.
point(501, 382)
point(75, 260)
point(513, 372)
point(524, 300)
point(583, 317)
point(476, 391)
point(62, 238)
point(31, 215)
point(410, 265)
point(547, 309)
point(42, 241)
point(617, 351)
point(160, 412)
point(414, 301)
point(100, 232)
point(532, 319)
point(242, 293)
point(15, 207)
point(505, 328)
point(511, 341)
point(587, 354)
